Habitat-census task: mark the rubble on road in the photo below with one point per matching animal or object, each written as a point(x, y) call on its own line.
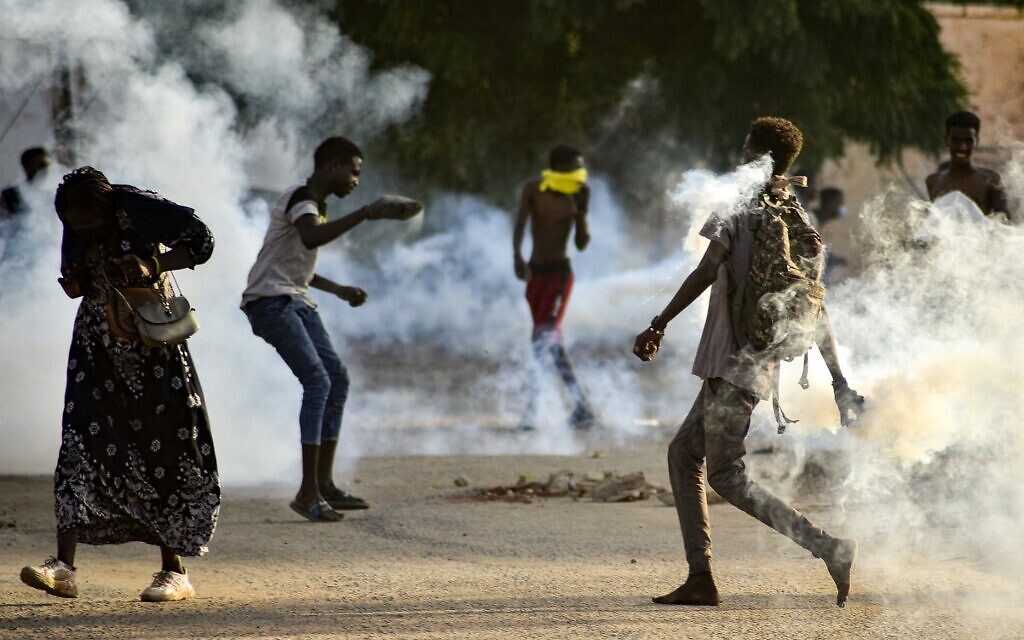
point(625, 488)
point(599, 487)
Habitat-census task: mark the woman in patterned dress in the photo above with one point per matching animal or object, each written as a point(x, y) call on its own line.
point(136, 460)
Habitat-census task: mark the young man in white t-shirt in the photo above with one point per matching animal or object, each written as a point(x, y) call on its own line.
point(280, 310)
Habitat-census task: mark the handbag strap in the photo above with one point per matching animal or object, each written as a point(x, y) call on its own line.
point(175, 287)
point(103, 270)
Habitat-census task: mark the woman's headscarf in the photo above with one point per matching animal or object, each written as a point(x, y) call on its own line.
point(84, 187)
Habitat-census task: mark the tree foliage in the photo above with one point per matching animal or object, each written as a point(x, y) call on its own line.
point(630, 81)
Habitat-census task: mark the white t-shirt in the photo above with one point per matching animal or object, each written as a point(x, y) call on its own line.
point(284, 267)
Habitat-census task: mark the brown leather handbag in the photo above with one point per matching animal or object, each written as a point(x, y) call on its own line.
point(153, 315)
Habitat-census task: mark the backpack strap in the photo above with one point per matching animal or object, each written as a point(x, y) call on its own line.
point(780, 416)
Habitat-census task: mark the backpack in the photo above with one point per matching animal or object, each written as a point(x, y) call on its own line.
point(776, 308)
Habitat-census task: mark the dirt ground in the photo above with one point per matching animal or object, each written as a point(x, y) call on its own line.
point(420, 565)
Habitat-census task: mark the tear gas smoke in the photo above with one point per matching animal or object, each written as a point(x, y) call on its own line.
point(143, 120)
point(158, 114)
point(929, 334)
point(931, 337)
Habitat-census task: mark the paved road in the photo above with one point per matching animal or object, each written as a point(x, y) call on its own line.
point(419, 565)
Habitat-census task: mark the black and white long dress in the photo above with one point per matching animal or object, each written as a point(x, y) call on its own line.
point(136, 460)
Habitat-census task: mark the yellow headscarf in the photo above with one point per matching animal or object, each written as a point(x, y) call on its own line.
point(567, 182)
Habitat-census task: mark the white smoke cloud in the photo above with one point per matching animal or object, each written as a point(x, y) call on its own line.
point(701, 193)
point(454, 290)
point(930, 336)
point(303, 77)
point(306, 69)
point(150, 123)
point(143, 120)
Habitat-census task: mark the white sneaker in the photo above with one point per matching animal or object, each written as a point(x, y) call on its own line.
point(53, 576)
point(169, 586)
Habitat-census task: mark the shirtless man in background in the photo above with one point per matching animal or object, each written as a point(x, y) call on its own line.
point(553, 205)
point(983, 186)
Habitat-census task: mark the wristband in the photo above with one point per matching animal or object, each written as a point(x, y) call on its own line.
point(654, 326)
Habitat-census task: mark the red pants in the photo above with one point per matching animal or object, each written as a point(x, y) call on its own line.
point(548, 295)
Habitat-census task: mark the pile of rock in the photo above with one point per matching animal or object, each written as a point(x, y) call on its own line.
point(613, 487)
point(599, 487)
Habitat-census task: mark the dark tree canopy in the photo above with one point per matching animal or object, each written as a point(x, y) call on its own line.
point(633, 80)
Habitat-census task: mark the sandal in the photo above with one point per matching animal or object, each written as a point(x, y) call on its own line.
point(341, 501)
point(316, 511)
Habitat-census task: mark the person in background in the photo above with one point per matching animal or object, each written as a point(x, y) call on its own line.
point(34, 162)
point(983, 186)
point(553, 206)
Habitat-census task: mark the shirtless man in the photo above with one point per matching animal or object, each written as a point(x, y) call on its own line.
point(983, 186)
point(552, 205)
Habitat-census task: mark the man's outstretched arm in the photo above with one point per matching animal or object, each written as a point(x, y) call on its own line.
point(519, 232)
point(314, 233)
point(850, 403)
point(649, 341)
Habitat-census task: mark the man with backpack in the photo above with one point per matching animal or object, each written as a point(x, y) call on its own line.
point(763, 265)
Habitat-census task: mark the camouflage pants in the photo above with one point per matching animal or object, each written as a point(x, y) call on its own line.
point(715, 428)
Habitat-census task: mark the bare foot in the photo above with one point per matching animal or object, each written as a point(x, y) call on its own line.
point(698, 590)
point(839, 563)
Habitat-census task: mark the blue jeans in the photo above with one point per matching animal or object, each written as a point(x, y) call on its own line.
point(295, 330)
